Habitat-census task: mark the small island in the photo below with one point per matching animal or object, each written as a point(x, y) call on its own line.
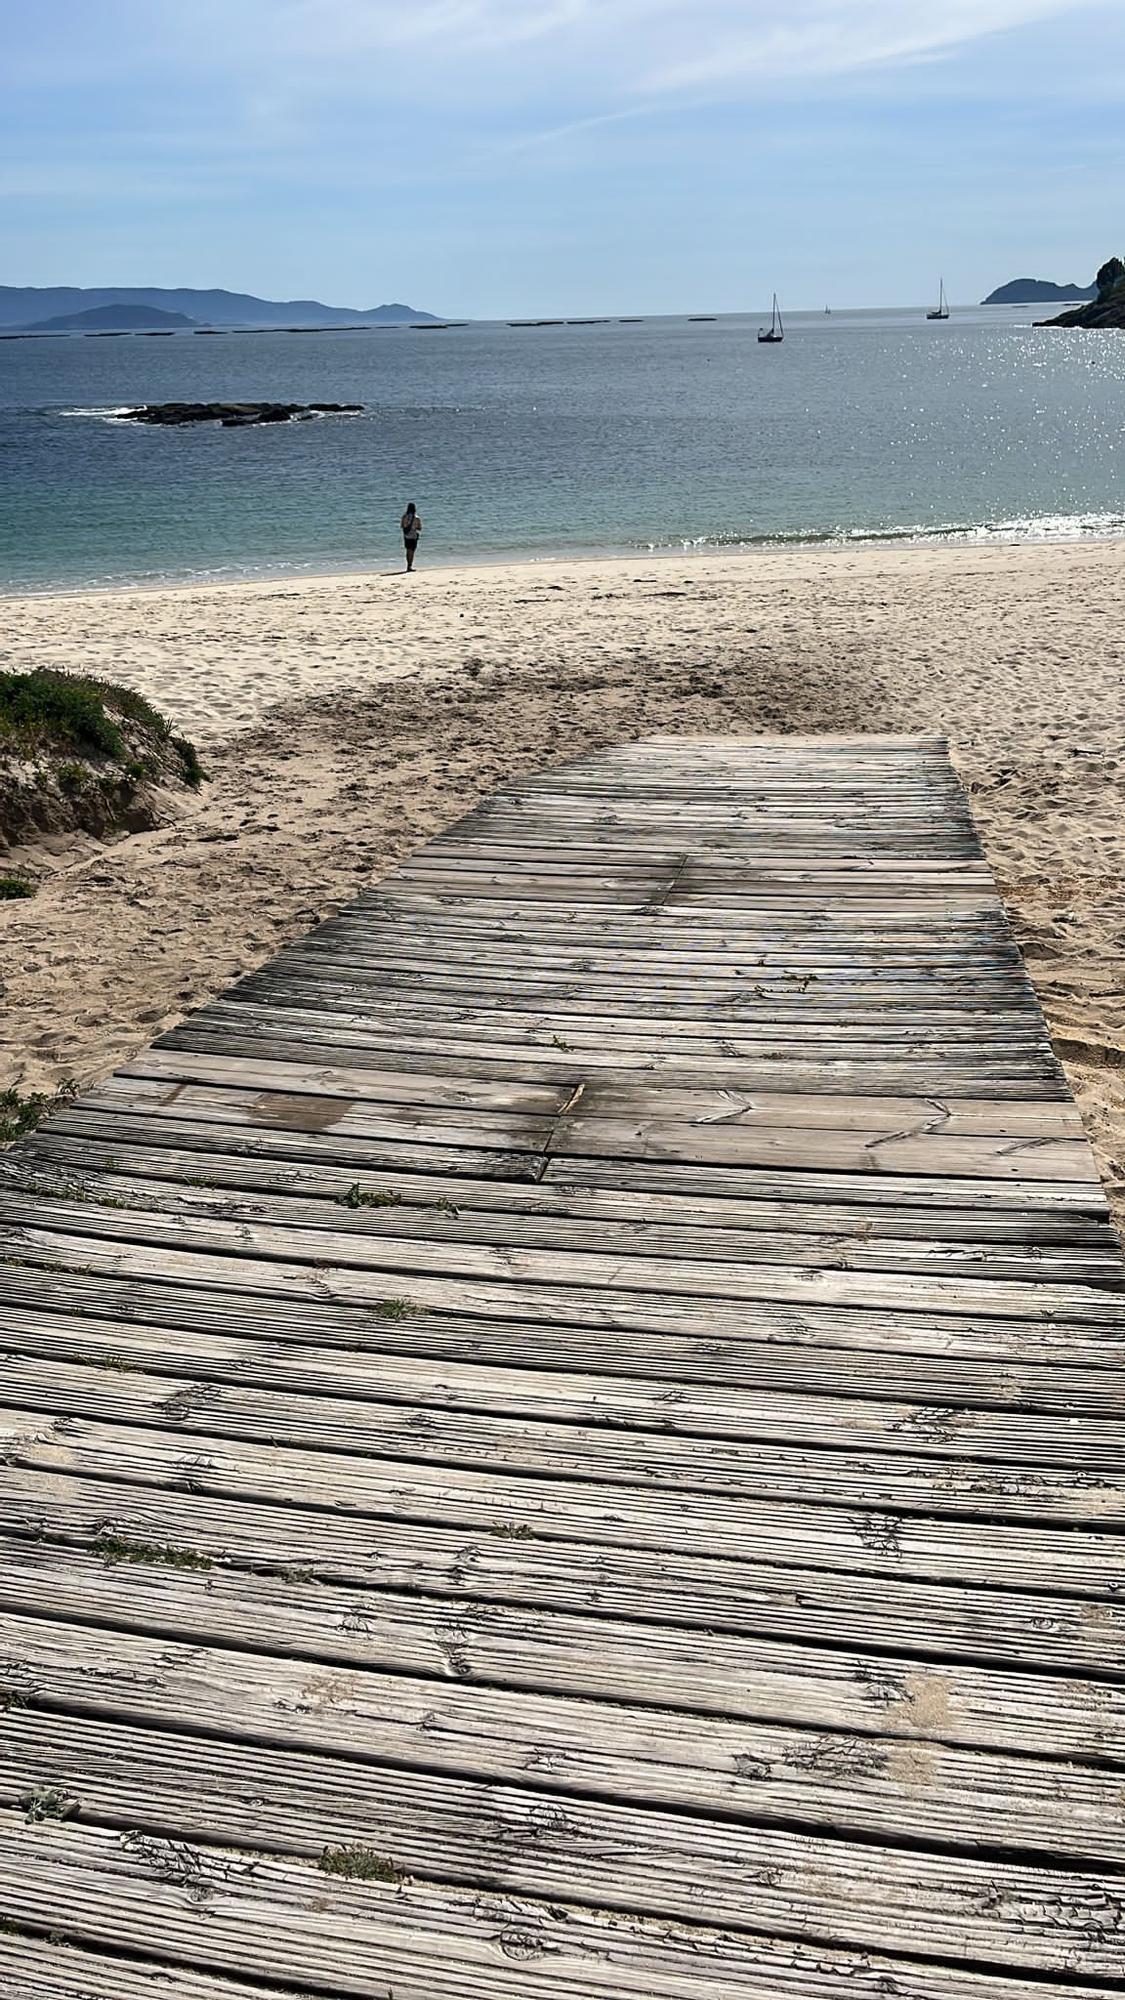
point(236, 416)
point(116, 319)
point(1107, 309)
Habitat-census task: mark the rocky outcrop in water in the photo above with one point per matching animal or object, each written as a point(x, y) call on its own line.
point(236, 416)
point(1107, 310)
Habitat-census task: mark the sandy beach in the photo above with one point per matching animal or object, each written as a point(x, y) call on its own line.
point(343, 720)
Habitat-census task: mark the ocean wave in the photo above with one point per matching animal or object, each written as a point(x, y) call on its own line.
point(1088, 527)
point(108, 413)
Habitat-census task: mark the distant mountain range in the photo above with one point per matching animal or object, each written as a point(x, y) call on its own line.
point(27, 306)
point(1037, 292)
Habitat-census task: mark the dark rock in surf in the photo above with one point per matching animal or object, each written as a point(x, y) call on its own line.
point(236, 416)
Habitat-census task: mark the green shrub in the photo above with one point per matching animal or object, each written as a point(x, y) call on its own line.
point(13, 887)
point(56, 710)
point(189, 758)
point(47, 709)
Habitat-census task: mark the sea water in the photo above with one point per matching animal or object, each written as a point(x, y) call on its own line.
point(561, 440)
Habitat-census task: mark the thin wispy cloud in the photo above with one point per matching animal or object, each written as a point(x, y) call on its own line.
point(585, 51)
point(661, 46)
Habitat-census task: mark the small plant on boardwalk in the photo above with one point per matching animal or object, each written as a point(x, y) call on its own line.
point(45, 1802)
point(396, 1308)
point(514, 1531)
point(361, 1197)
point(123, 1549)
point(359, 1864)
point(22, 1114)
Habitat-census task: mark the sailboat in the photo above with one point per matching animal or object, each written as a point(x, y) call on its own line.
point(775, 330)
point(941, 310)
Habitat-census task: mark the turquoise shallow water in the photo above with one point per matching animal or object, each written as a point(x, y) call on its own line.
point(547, 441)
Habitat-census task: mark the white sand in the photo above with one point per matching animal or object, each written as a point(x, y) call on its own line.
point(345, 719)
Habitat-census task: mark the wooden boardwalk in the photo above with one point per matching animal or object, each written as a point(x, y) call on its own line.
point(566, 1437)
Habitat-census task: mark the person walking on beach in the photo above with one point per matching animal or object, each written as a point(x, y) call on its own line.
point(411, 530)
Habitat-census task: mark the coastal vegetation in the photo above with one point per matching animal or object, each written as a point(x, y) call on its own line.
point(83, 755)
point(1107, 309)
point(21, 1112)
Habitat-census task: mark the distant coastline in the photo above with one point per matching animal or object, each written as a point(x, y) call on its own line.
point(33, 308)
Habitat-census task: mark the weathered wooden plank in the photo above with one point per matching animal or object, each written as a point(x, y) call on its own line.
point(611, 1098)
point(759, 1773)
point(547, 1218)
point(558, 1419)
point(95, 1128)
point(1050, 1211)
point(370, 1084)
point(885, 1615)
point(736, 1343)
point(667, 1667)
point(242, 1255)
point(55, 1968)
point(539, 1061)
point(138, 1892)
point(753, 1225)
point(875, 1528)
point(888, 1152)
point(828, 1000)
point(302, 1111)
point(1015, 1030)
point(923, 1190)
point(328, 1352)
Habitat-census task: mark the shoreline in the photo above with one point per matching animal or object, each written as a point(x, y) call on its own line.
point(924, 541)
point(344, 720)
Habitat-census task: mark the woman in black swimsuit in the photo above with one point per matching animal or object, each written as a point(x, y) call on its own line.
point(411, 530)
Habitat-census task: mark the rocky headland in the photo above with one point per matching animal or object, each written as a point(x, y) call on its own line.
point(1107, 309)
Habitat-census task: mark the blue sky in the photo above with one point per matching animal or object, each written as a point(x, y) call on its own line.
point(486, 157)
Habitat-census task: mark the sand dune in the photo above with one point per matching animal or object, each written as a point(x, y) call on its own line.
point(345, 719)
